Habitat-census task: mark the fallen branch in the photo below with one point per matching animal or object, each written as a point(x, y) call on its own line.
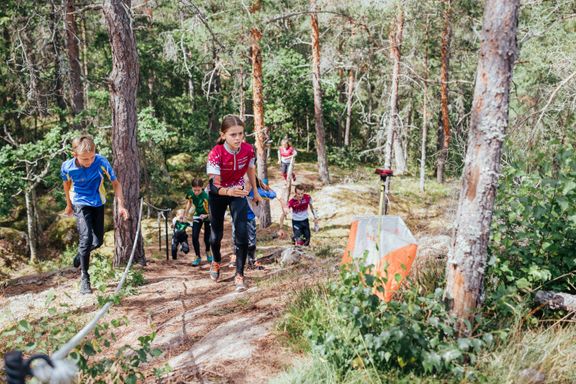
point(554, 300)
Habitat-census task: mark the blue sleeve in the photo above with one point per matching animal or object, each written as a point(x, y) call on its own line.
point(270, 194)
point(64, 173)
point(107, 168)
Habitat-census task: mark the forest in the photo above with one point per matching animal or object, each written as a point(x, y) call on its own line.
point(470, 103)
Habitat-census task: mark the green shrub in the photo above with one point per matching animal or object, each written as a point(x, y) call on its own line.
point(533, 241)
point(351, 328)
point(343, 157)
point(307, 307)
point(50, 332)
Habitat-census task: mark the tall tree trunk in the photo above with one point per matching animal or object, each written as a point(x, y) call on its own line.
point(341, 87)
point(307, 133)
point(57, 48)
point(424, 113)
point(320, 132)
point(258, 106)
point(150, 82)
point(445, 59)
point(32, 224)
point(351, 78)
point(488, 121)
point(123, 84)
point(85, 62)
point(214, 89)
point(242, 101)
point(186, 66)
point(74, 72)
point(393, 132)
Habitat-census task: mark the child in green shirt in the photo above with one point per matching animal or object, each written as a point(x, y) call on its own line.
point(198, 198)
point(180, 237)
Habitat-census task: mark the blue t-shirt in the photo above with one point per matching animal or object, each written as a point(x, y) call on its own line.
point(87, 183)
point(268, 195)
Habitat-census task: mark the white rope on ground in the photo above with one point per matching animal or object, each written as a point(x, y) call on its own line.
point(64, 370)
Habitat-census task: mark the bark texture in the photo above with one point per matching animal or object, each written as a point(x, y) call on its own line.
point(445, 60)
point(489, 118)
point(123, 83)
point(393, 136)
point(258, 105)
point(424, 114)
point(556, 300)
point(349, 96)
point(318, 118)
point(73, 53)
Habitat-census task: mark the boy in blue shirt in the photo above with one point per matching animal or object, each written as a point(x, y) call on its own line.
point(83, 182)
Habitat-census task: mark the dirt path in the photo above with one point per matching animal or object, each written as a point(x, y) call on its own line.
point(208, 333)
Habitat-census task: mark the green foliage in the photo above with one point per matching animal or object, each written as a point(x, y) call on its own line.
point(351, 328)
point(43, 335)
point(307, 307)
point(124, 367)
point(22, 166)
point(534, 227)
point(101, 271)
point(343, 157)
point(151, 130)
point(289, 96)
point(48, 333)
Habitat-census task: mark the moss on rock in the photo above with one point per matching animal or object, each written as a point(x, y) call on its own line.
point(62, 233)
point(13, 250)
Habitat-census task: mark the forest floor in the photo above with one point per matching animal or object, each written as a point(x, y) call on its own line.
point(209, 333)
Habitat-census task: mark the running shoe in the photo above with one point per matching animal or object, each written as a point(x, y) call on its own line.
point(209, 258)
point(85, 287)
point(239, 283)
point(215, 271)
point(76, 261)
point(196, 262)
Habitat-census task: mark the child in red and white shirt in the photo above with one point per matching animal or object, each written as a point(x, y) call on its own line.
point(286, 153)
point(299, 205)
point(228, 162)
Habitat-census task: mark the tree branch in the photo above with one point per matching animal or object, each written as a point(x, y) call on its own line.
point(202, 18)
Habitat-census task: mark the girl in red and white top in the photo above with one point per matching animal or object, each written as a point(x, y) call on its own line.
point(286, 153)
point(228, 162)
point(299, 205)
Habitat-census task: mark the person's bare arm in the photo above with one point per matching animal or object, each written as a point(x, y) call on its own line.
point(225, 191)
point(122, 211)
point(313, 213)
point(189, 205)
point(67, 186)
point(252, 177)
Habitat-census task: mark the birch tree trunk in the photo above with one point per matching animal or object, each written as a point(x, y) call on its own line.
point(393, 132)
point(258, 105)
point(319, 120)
point(73, 53)
point(242, 101)
point(31, 224)
point(488, 121)
point(445, 60)
point(351, 79)
point(424, 113)
point(214, 88)
point(123, 83)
